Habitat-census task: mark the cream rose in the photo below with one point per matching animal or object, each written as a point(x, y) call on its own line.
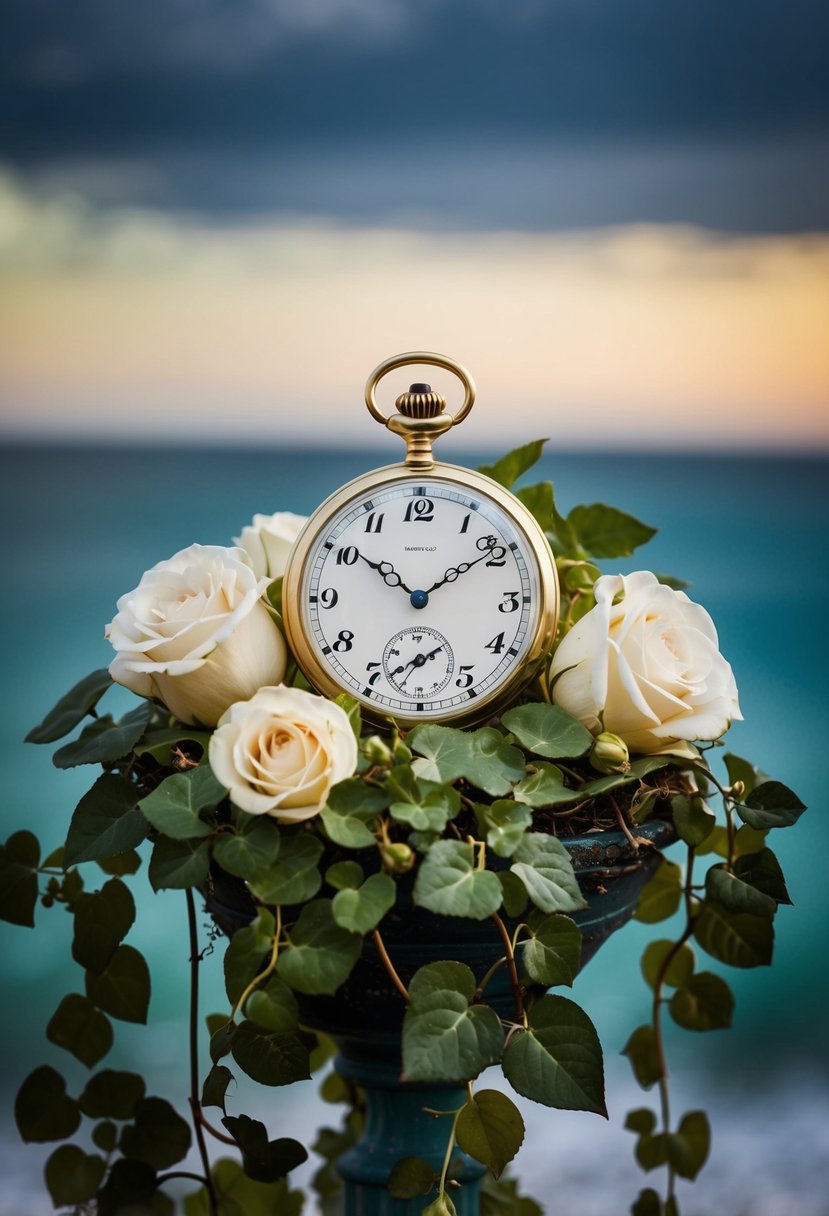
point(268, 540)
point(280, 752)
point(647, 668)
point(196, 634)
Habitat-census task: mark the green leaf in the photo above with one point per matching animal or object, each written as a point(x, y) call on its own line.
point(639, 768)
point(690, 1144)
point(362, 910)
point(263, 1160)
point(410, 1177)
point(504, 823)
point(509, 468)
point(158, 1136)
point(351, 707)
point(105, 821)
point(770, 805)
point(543, 865)
point(557, 1060)
point(548, 730)
point(680, 969)
point(214, 1090)
point(607, 532)
point(274, 1007)
point(175, 805)
point(442, 1206)
point(444, 1038)
point(538, 500)
point(241, 1196)
point(642, 1121)
point(72, 1176)
point(743, 770)
point(71, 708)
point(513, 893)
point(43, 1110)
point(102, 920)
point(250, 850)
point(482, 757)
point(762, 871)
point(221, 1040)
point(552, 955)
point(490, 1129)
point(424, 805)
point(19, 858)
point(704, 1003)
point(176, 864)
point(648, 1204)
point(545, 787)
point(112, 1095)
point(78, 1027)
point(351, 808)
point(271, 1057)
point(661, 894)
point(321, 954)
point(641, 1050)
point(736, 938)
point(693, 820)
point(502, 1198)
point(245, 955)
point(122, 989)
point(293, 878)
point(121, 864)
point(448, 883)
point(105, 1136)
point(131, 1185)
point(344, 875)
point(736, 895)
point(104, 740)
point(163, 744)
point(652, 1151)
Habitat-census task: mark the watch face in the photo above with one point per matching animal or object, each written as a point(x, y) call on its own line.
point(421, 597)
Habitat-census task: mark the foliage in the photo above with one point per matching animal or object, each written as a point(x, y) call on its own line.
point(465, 824)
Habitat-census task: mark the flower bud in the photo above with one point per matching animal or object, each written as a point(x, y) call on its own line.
point(609, 754)
point(377, 751)
point(401, 753)
point(398, 858)
point(738, 789)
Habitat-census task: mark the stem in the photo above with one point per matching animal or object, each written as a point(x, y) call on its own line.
point(729, 820)
point(389, 965)
point(488, 976)
point(620, 819)
point(214, 1131)
point(266, 973)
point(448, 1155)
point(195, 1104)
point(178, 1174)
point(518, 991)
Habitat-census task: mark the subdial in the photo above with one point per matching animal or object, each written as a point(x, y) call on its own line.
point(418, 662)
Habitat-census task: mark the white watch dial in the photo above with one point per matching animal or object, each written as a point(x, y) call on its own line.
point(421, 597)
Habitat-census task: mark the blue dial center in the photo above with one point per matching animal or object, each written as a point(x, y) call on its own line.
point(419, 599)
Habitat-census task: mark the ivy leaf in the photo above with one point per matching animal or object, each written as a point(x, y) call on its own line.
point(448, 883)
point(557, 1060)
point(19, 858)
point(80, 1028)
point(176, 864)
point(504, 823)
point(344, 875)
point(736, 938)
point(71, 708)
point(482, 757)
point(490, 1129)
point(274, 1007)
point(250, 850)
point(538, 500)
point(640, 1049)
point(552, 954)
point(321, 954)
point(693, 820)
point(642, 1121)
point(545, 787)
point(661, 894)
point(444, 1037)
point(410, 1177)
point(548, 730)
point(762, 871)
point(647, 1204)
point(43, 1110)
point(680, 969)
point(174, 806)
point(704, 1003)
point(102, 920)
point(513, 893)
point(502, 1198)
point(509, 468)
point(241, 1196)
point(351, 808)
point(263, 1160)
point(743, 770)
point(105, 822)
point(770, 805)
point(214, 1090)
point(122, 989)
point(736, 895)
point(271, 1057)
point(246, 953)
point(131, 1184)
point(607, 532)
point(112, 1095)
point(293, 878)
point(543, 865)
point(158, 1136)
point(689, 1145)
point(423, 805)
point(104, 740)
point(73, 1176)
point(361, 910)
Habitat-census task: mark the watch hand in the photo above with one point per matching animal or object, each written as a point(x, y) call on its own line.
point(454, 571)
point(419, 660)
point(388, 573)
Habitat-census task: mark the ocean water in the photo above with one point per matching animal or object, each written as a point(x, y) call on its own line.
point(750, 534)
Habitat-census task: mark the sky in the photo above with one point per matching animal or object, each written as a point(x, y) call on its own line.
point(217, 216)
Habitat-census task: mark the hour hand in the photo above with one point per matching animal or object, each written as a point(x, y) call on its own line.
point(487, 543)
point(388, 573)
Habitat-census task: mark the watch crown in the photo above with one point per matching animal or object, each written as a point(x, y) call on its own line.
point(421, 401)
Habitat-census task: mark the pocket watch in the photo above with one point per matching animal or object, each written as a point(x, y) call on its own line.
point(425, 590)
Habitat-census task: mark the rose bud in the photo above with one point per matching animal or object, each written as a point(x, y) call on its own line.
point(609, 754)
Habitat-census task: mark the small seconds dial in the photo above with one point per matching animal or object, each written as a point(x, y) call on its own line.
point(420, 597)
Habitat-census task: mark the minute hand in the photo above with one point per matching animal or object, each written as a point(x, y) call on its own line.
point(454, 571)
point(388, 573)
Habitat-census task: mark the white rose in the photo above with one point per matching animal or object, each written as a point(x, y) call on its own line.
point(280, 752)
point(647, 668)
point(196, 634)
point(268, 540)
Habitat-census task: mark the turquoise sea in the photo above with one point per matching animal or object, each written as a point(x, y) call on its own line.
point(751, 536)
